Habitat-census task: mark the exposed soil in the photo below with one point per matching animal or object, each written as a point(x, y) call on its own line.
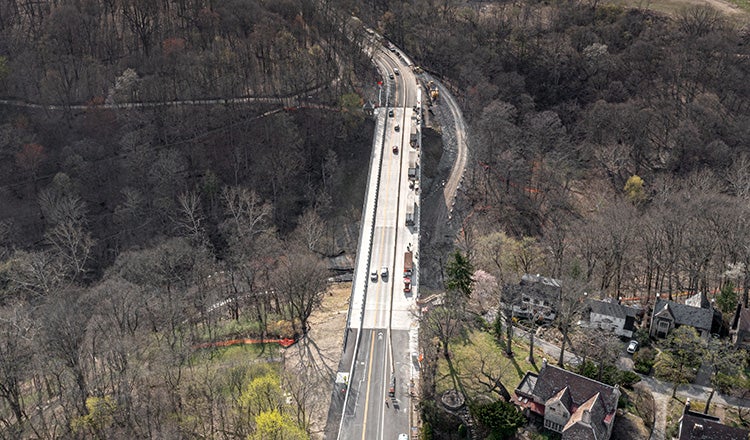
point(674, 7)
point(315, 358)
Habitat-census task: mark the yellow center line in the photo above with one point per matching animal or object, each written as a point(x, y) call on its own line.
point(369, 376)
point(378, 313)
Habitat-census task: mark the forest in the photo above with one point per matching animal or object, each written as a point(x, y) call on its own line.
point(608, 145)
point(611, 142)
point(140, 218)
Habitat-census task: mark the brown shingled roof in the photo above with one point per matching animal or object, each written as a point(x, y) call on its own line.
point(696, 427)
point(552, 379)
point(578, 427)
point(744, 323)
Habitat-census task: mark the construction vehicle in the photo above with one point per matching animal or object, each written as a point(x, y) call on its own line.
point(411, 209)
point(434, 93)
point(408, 264)
point(413, 136)
point(412, 165)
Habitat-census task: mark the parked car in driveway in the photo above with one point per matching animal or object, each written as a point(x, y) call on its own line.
point(632, 347)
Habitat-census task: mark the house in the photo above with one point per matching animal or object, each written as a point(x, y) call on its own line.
point(740, 331)
point(611, 316)
point(698, 426)
point(575, 406)
point(538, 296)
point(668, 315)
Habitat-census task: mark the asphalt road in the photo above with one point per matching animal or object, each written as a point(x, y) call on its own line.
point(382, 314)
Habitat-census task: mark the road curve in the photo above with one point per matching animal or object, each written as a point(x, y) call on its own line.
point(457, 171)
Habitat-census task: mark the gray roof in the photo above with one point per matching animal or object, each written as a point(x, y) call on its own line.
point(687, 315)
point(552, 379)
point(608, 308)
point(540, 287)
point(696, 426)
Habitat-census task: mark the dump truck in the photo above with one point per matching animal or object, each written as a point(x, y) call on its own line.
point(413, 139)
point(412, 165)
point(410, 209)
point(408, 264)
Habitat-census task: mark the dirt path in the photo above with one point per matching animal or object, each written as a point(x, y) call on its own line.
point(662, 394)
point(675, 7)
point(315, 358)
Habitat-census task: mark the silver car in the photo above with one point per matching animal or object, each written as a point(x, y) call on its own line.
point(632, 347)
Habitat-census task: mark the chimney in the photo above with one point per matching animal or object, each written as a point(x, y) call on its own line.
point(544, 363)
point(687, 405)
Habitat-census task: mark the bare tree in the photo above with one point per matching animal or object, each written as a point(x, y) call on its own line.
point(67, 231)
point(509, 297)
point(570, 304)
point(310, 230)
point(189, 219)
point(301, 280)
point(65, 318)
point(16, 334)
point(247, 216)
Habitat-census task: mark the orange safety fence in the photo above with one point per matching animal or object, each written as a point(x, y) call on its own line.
point(284, 342)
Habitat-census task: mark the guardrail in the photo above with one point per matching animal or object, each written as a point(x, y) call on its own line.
point(369, 258)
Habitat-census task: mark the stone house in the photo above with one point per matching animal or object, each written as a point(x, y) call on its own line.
point(538, 296)
point(575, 406)
point(613, 317)
point(668, 315)
point(699, 426)
point(740, 329)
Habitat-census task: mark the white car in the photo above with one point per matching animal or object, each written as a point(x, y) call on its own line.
point(403, 437)
point(632, 347)
point(384, 272)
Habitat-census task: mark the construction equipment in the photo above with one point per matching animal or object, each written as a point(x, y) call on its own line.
point(408, 264)
point(434, 93)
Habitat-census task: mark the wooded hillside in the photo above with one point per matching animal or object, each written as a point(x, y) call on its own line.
point(132, 234)
point(616, 140)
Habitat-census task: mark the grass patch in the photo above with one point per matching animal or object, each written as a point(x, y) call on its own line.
point(238, 353)
point(742, 4)
point(480, 359)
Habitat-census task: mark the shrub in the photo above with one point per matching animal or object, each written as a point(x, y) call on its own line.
point(611, 375)
point(628, 379)
point(501, 419)
point(643, 360)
